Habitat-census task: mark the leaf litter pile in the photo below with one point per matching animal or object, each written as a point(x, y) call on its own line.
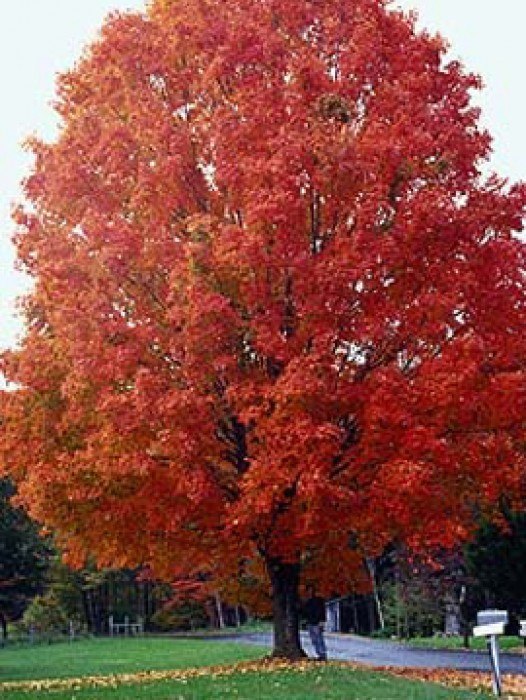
point(514, 685)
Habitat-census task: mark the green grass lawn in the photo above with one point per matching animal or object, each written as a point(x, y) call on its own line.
point(94, 657)
point(253, 627)
point(321, 682)
point(479, 643)
point(108, 657)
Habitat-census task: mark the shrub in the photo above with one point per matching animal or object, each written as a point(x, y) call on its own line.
point(183, 617)
point(45, 616)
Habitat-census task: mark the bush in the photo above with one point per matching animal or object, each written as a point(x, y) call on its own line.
point(386, 633)
point(184, 617)
point(412, 608)
point(45, 616)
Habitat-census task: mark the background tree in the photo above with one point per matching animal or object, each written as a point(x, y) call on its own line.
point(496, 561)
point(421, 592)
point(45, 617)
point(24, 558)
point(277, 307)
point(89, 596)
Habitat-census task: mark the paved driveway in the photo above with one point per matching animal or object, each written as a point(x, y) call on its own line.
point(381, 653)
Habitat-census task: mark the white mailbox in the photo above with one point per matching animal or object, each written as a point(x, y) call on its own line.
point(522, 629)
point(490, 624)
point(488, 630)
point(488, 617)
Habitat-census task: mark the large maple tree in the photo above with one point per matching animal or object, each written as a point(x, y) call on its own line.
point(278, 314)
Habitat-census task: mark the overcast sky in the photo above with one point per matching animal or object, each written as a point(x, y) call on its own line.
point(40, 38)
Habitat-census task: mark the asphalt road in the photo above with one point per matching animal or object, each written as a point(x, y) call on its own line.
point(381, 653)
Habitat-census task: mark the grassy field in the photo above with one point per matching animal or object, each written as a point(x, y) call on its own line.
point(94, 657)
point(325, 684)
point(92, 670)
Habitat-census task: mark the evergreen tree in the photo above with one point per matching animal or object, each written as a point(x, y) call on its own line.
point(24, 558)
point(496, 559)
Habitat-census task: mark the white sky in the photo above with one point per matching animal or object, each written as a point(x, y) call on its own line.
point(39, 38)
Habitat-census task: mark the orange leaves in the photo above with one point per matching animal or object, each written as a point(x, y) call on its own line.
point(275, 304)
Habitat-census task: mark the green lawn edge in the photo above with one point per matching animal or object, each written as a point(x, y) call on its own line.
point(509, 644)
point(304, 681)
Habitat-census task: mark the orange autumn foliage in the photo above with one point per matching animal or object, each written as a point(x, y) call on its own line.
point(277, 305)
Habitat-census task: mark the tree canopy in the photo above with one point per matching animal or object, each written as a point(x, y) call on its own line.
point(278, 314)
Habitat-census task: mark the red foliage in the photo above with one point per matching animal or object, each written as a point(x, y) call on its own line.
point(276, 303)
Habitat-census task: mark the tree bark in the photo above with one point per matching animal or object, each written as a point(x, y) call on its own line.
point(284, 579)
point(371, 566)
point(219, 611)
point(3, 625)
point(464, 624)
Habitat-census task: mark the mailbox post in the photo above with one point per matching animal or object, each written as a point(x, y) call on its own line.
point(522, 630)
point(490, 624)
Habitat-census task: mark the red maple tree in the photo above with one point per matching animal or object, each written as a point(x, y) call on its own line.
point(278, 310)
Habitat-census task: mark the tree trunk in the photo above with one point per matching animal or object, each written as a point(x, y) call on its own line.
point(284, 579)
point(219, 611)
point(464, 623)
point(3, 625)
point(372, 572)
point(355, 620)
point(371, 613)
